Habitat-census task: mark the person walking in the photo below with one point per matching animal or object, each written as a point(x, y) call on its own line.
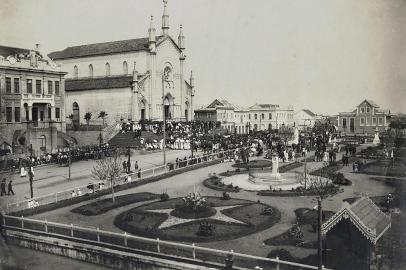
point(10, 188)
point(3, 187)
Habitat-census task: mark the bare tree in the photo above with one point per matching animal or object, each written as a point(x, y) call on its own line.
point(108, 169)
point(286, 134)
point(322, 187)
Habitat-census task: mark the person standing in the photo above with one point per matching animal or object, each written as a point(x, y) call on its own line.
point(31, 177)
point(10, 188)
point(136, 166)
point(3, 187)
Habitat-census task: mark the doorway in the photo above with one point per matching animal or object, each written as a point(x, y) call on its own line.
point(352, 126)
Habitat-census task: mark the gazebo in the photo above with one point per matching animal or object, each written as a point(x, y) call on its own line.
point(352, 234)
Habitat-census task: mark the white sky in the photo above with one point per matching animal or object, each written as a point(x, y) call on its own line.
point(325, 55)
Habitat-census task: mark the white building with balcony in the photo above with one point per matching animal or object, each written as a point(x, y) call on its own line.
point(31, 101)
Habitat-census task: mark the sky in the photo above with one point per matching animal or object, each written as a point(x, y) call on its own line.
point(326, 56)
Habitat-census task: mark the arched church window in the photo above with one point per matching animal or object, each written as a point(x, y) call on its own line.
point(125, 67)
point(75, 72)
point(90, 70)
point(107, 69)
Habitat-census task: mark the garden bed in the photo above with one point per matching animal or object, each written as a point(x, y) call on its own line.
point(385, 168)
point(330, 171)
point(296, 192)
point(303, 233)
point(215, 183)
point(105, 205)
point(141, 221)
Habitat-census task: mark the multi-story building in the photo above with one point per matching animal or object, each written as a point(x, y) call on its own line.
point(269, 116)
point(231, 117)
point(32, 95)
point(365, 119)
point(134, 79)
point(305, 119)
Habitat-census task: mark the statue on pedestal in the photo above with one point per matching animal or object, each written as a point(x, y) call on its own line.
point(376, 140)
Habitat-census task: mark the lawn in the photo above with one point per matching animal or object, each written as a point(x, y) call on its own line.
point(139, 221)
point(303, 233)
point(103, 206)
point(385, 168)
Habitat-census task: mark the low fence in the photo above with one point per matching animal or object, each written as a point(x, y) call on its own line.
point(123, 179)
point(155, 247)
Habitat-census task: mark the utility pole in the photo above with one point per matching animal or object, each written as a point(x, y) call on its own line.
point(320, 243)
point(69, 161)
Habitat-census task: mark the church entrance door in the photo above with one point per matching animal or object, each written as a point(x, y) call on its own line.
point(167, 112)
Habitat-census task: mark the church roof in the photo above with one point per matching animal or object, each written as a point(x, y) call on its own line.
point(122, 81)
point(366, 217)
point(6, 51)
point(120, 46)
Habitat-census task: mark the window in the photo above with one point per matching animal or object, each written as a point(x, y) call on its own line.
point(249, 116)
point(29, 86)
point(367, 121)
point(368, 109)
point(263, 116)
point(270, 116)
point(374, 121)
point(380, 121)
point(57, 88)
point(16, 85)
point(38, 86)
point(8, 85)
point(50, 90)
point(90, 70)
point(57, 113)
point(75, 72)
point(9, 114)
point(43, 140)
point(255, 116)
point(125, 67)
point(362, 121)
point(17, 114)
point(362, 110)
point(49, 113)
point(107, 69)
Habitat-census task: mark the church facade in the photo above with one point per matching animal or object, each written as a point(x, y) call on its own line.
point(136, 79)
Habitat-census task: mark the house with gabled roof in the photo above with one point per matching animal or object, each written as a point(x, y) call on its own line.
point(134, 79)
point(233, 118)
point(367, 118)
point(352, 234)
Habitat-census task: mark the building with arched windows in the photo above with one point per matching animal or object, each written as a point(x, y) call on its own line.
point(134, 79)
point(32, 95)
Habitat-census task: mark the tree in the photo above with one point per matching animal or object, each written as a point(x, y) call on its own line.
point(397, 125)
point(322, 187)
point(102, 115)
point(87, 117)
point(324, 129)
point(286, 134)
point(108, 168)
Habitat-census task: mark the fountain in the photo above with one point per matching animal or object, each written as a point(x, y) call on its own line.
point(265, 178)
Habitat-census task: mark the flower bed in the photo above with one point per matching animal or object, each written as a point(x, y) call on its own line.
point(214, 182)
point(145, 220)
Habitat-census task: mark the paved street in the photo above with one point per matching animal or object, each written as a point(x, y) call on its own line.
point(52, 178)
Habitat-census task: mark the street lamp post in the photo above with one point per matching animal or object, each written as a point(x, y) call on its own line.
point(165, 79)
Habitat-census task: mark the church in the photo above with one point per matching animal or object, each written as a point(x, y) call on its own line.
point(135, 79)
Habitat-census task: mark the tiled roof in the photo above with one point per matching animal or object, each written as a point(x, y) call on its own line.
point(6, 51)
point(121, 46)
point(365, 215)
point(98, 83)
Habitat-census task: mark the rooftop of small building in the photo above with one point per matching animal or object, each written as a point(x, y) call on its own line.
point(6, 51)
point(365, 215)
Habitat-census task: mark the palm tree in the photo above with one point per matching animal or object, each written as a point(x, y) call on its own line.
point(87, 117)
point(102, 115)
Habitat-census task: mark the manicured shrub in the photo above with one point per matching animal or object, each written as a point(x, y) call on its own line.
point(206, 229)
point(225, 196)
point(164, 196)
